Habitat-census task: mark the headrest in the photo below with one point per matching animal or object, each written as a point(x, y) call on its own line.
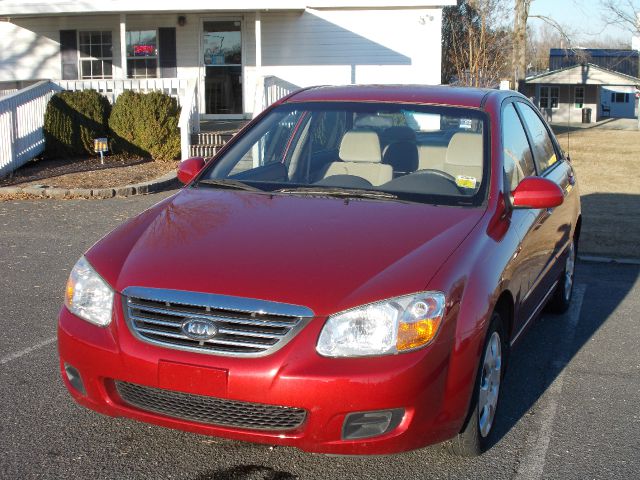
point(399, 133)
point(465, 148)
point(402, 156)
point(360, 147)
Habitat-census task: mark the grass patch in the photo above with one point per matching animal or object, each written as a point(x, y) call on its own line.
point(607, 164)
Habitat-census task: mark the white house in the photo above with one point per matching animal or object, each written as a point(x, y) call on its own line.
point(224, 45)
point(222, 59)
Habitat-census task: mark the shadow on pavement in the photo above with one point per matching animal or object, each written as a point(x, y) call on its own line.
point(537, 360)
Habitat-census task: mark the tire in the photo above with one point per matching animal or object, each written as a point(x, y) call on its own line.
point(476, 435)
point(561, 299)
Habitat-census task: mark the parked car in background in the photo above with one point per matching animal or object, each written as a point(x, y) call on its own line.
point(348, 275)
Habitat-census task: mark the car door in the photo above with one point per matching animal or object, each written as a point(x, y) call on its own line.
point(552, 229)
point(518, 163)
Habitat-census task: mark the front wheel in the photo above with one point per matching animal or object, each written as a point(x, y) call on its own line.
point(474, 439)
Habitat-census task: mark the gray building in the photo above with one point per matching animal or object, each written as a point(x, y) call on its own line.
point(562, 94)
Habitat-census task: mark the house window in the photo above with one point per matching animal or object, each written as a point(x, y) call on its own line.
point(579, 97)
point(96, 54)
point(142, 54)
point(619, 97)
point(549, 97)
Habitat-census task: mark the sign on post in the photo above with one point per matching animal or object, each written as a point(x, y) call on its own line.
point(101, 145)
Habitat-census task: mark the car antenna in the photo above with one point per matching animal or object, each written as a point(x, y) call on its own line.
point(568, 137)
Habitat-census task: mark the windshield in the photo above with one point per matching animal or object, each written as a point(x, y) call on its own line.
point(409, 152)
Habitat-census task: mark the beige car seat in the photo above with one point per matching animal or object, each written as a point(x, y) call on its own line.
point(361, 156)
point(464, 155)
point(431, 157)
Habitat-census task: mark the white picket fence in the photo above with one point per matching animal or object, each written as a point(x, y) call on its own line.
point(174, 87)
point(22, 112)
point(21, 125)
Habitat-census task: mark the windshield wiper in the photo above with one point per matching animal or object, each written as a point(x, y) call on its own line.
point(338, 192)
point(229, 184)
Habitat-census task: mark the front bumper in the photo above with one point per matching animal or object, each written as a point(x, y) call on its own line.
point(295, 376)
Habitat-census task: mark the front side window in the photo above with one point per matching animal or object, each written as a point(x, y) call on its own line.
point(417, 153)
point(518, 160)
point(544, 153)
point(142, 54)
point(96, 55)
point(549, 97)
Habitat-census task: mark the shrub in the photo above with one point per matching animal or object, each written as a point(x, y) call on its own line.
point(146, 124)
point(72, 121)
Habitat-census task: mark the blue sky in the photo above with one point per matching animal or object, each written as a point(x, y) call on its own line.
point(582, 18)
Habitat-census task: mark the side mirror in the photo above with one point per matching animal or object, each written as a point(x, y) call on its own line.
point(536, 192)
point(189, 168)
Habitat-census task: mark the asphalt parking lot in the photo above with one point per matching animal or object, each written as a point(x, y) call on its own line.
point(570, 409)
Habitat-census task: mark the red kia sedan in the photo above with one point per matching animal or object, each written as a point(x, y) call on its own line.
point(348, 275)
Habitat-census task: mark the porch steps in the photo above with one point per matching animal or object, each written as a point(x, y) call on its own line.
point(207, 144)
point(213, 135)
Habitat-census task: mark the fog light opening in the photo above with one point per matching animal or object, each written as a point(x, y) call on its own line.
point(371, 424)
point(74, 378)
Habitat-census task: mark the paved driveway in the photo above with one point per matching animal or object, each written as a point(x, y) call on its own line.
point(570, 408)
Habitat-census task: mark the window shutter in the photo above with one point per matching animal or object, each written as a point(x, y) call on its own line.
point(168, 56)
point(69, 54)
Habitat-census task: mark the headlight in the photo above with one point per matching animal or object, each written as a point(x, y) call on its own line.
point(383, 328)
point(88, 295)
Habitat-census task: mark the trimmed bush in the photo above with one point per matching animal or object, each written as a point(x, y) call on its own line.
point(146, 125)
point(72, 121)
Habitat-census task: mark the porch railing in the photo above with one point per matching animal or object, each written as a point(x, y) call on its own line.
point(269, 90)
point(22, 112)
point(4, 93)
point(189, 119)
point(21, 124)
point(112, 88)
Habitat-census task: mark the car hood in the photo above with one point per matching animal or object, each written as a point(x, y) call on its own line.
point(327, 254)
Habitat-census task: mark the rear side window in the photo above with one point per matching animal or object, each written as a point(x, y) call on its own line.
point(518, 161)
point(543, 151)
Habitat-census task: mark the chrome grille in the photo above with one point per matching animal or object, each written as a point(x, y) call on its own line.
point(210, 410)
point(245, 327)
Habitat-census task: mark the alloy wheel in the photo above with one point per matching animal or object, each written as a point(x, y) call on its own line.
point(569, 270)
point(490, 384)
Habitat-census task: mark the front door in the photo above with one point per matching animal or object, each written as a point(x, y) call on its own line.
point(222, 64)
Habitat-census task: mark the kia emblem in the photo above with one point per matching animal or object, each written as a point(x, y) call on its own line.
point(199, 329)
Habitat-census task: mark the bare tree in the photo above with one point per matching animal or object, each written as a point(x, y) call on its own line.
point(519, 60)
point(541, 39)
point(476, 46)
point(624, 13)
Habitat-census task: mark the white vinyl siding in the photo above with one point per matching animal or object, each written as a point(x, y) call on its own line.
point(333, 47)
point(306, 47)
point(34, 52)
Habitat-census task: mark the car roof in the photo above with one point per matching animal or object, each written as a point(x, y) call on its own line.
point(417, 94)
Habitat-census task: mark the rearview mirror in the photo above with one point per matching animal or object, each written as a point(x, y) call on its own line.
point(188, 169)
point(536, 192)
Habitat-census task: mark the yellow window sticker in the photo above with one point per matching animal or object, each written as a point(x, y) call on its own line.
point(466, 182)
